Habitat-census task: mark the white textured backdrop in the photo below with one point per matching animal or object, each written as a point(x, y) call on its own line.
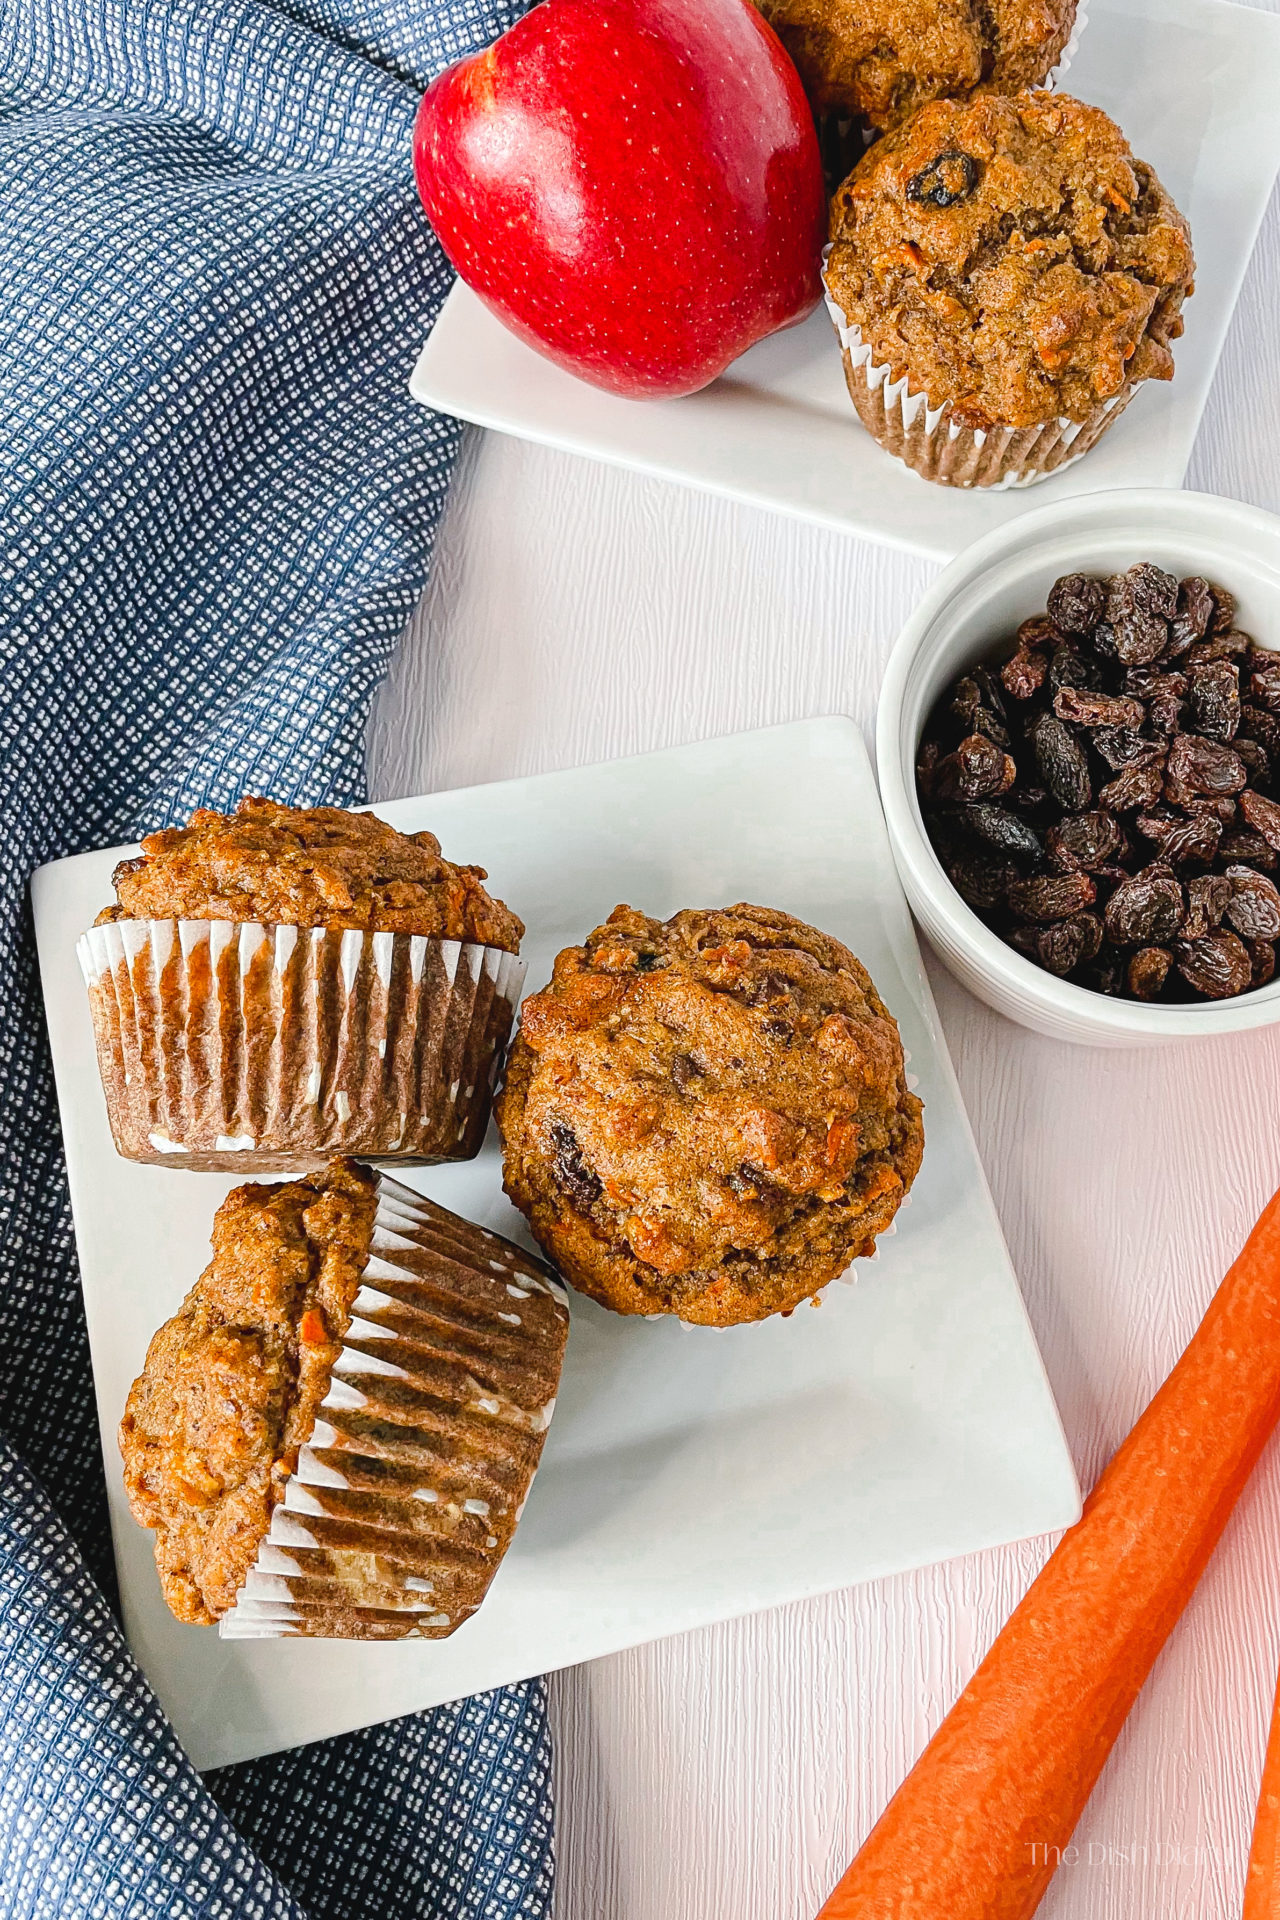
point(578, 613)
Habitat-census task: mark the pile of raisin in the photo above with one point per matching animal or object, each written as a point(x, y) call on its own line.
point(1108, 798)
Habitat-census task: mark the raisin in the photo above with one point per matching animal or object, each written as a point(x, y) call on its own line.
point(1106, 975)
point(569, 1170)
point(1029, 800)
point(1002, 830)
point(1052, 896)
point(1218, 806)
point(1063, 766)
point(772, 989)
point(1217, 966)
point(1215, 699)
point(1254, 905)
point(1069, 668)
point(1038, 634)
point(926, 762)
point(1097, 709)
point(1182, 837)
point(1104, 641)
point(1232, 645)
point(1162, 693)
point(1263, 816)
point(977, 770)
point(1257, 724)
point(1224, 609)
point(1192, 616)
point(992, 692)
point(1076, 602)
point(1146, 910)
point(1207, 898)
point(1023, 675)
point(1085, 840)
point(1140, 605)
point(1061, 947)
point(1262, 961)
point(1138, 786)
point(1089, 926)
point(1122, 746)
point(1147, 972)
point(946, 181)
point(685, 1069)
point(984, 721)
point(1264, 684)
point(966, 698)
point(1202, 766)
point(1238, 845)
point(1257, 761)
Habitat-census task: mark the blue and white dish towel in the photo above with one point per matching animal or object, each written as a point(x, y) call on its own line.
point(216, 512)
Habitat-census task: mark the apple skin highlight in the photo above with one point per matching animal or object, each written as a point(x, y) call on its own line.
point(632, 186)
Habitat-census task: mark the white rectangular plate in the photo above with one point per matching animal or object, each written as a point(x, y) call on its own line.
point(1193, 83)
point(690, 1474)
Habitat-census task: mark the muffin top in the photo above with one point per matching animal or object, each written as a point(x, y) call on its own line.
point(229, 1392)
point(1012, 258)
point(308, 867)
point(708, 1115)
point(882, 59)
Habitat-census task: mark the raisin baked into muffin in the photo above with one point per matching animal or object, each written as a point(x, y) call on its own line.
point(336, 1431)
point(1003, 275)
point(707, 1116)
point(282, 983)
point(880, 60)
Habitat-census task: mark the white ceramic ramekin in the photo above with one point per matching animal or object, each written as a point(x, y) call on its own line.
point(970, 614)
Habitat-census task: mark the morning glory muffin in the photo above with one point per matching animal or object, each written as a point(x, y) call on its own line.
point(336, 1431)
point(1003, 275)
point(707, 1116)
point(880, 60)
point(277, 984)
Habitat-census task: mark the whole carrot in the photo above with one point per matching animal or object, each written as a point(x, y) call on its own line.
point(1262, 1880)
point(978, 1827)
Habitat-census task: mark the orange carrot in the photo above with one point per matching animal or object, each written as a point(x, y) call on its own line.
point(1262, 1881)
point(980, 1824)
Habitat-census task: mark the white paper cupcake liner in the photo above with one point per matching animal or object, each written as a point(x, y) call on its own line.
point(247, 1046)
point(407, 1493)
point(928, 441)
point(1053, 79)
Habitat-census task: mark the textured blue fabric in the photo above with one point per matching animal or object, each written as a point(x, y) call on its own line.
point(216, 510)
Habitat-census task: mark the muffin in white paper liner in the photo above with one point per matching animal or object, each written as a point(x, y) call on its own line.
point(927, 440)
point(233, 1045)
point(407, 1493)
point(1057, 71)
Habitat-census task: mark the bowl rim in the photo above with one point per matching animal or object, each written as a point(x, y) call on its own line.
point(933, 896)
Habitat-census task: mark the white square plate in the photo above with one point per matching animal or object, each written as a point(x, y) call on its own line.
point(689, 1474)
point(1193, 83)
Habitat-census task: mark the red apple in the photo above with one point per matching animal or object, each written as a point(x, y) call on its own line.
point(633, 186)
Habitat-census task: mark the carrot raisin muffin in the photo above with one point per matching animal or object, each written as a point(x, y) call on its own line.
point(280, 983)
point(881, 59)
point(707, 1116)
point(1003, 274)
point(308, 867)
point(335, 1432)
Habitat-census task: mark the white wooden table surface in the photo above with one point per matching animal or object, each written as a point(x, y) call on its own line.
point(577, 613)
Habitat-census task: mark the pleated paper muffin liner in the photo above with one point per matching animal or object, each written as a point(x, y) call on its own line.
point(243, 1046)
point(1053, 79)
point(929, 441)
point(407, 1493)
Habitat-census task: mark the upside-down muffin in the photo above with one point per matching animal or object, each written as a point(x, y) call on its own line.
point(707, 1116)
point(880, 60)
point(335, 1433)
point(1003, 275)
point(282, 983)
